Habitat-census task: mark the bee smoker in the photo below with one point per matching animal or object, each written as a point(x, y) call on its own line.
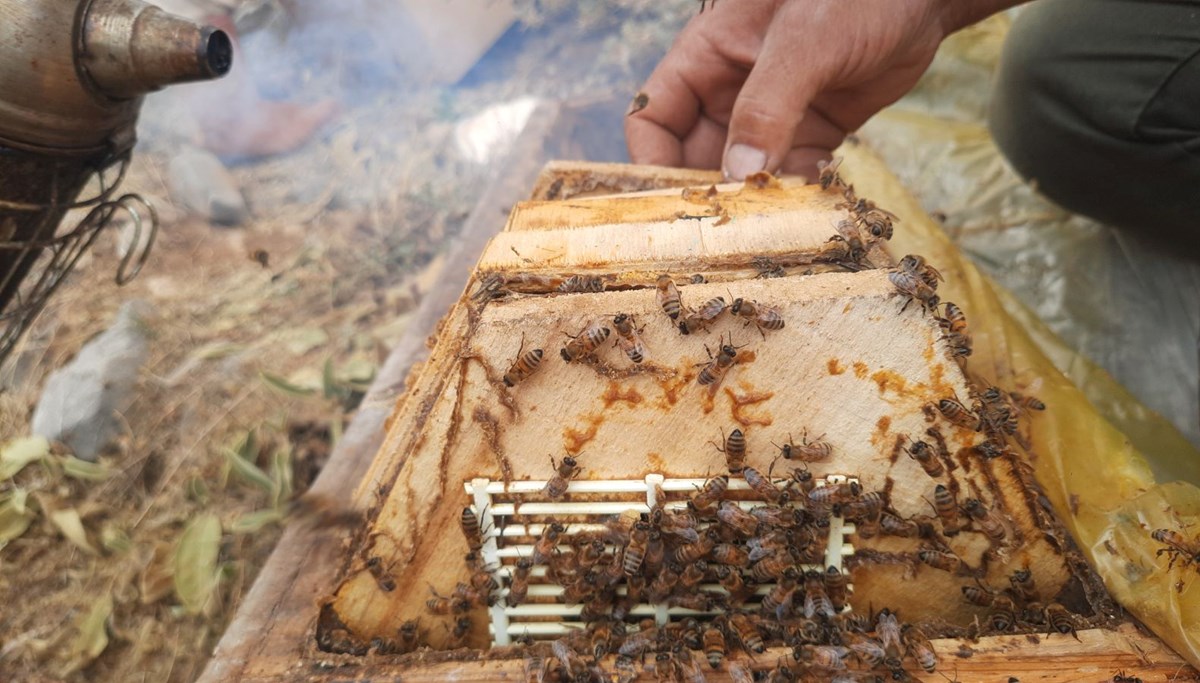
point(72, 77)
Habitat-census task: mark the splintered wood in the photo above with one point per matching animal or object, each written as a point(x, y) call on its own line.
point(688, 426)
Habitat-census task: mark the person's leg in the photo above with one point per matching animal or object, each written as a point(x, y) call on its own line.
point(1097, 102)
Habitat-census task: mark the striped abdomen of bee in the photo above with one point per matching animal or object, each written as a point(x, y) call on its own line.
point(714, 371)
point(978, 595)
point(711, 493)
point(526, 364)
point(714, 645)
point(704, 316)
point(471, 529)
point(628, 338)
point(956, 412)
point(989, 521)
point(945, 561)
point(579, 284)
point(1060, 619)
point(835, 587)
point(761, 485)
point(924, 455)
point(585, 343)
point(668, 296)
point(912, 286)
point(747, 633)
point(763, 317)
point(1003, 615)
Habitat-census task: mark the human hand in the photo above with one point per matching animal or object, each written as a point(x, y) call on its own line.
point(777, 84)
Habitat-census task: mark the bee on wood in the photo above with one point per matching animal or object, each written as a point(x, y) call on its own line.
point(953, 410)
point(806, 451)
point(704, 316)
point(471, 529)
point(823, 656)
point(835, 587)
point(989, 521)
point(767, 268)
point(996, 415)
point(628, 338)
point(585, 343)
point(1023, 585)
point(1120, 677)
point(877, 223)
point(803, 479)
point(714, 371)
point(381, 574)
point(712, 492)
point(464, 593)
point(747, 633)
point(734, 450)
point(547, 542)
point(735, 517)
point(714, 644)
point(887, 629)
point(761, 485)
point(1026, 402)
point(582, 284)
point(1060, 619)
point(945, 561)
point(640, 101)
point(439, 604)
point(525, 365)
point(1177, 547)
point(635, 552)
point(827, 175)
point(836, 249)
point(563, 472)
point(816, 599)
point(946, 507)
point(919, 648)
point(912, 286)
point(957, 334)
point(410, 635)
point(763, 317)
point(894, 525)
point(868, 651)
point(990, 449)
point(978, 595)
point(835, 493)
point(924, 455)
point(1003, 615)
point(668, 296)
point(483, 581)
point(917, 266)
point(518, 588)
point(573, 666)
point(491, 286)
point(458, 636)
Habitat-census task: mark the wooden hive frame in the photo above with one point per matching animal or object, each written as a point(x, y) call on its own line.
point(416, 489)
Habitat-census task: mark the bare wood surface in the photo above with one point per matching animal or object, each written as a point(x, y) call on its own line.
point(568, 179)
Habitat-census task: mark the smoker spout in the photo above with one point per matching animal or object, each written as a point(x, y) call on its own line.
point(129, 48)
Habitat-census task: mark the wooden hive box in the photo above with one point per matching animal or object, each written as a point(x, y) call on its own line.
point(856, 363)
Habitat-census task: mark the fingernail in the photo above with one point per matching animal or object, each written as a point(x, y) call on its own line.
point(743, 160)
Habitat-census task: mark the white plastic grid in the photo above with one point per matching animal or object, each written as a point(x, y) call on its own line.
point(514, 621)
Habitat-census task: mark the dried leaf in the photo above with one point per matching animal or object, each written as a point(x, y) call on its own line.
point(255, 521)
point(114, 539)
point(93, 632)
point(282, 385)
point(71, 526)
point(300, 340)
point(196, 563)
point(358, 371)
point(249, 471)
point(18, 453)
point(15, 518)
point(158, 576)
point(81, 469)
point(329, 385)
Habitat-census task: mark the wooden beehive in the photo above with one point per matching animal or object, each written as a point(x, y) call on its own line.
point(856, 362)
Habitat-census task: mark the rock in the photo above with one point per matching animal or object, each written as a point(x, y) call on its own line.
point(201, 184)
point(80, 402)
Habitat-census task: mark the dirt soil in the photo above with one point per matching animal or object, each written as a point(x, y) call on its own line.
point(261, 340)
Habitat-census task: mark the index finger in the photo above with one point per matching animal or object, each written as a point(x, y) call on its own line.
point(655, 134)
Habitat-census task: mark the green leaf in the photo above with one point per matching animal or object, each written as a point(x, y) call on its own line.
point(282, 385)
point(196, 562)
point(81, 469)
point(281, 476)
point(15, 518)
point(93, 631)
point(329, 385)
point(114, 539)
point(71, 526)
point(254, 521)
point(249, 471)
point(18, 453)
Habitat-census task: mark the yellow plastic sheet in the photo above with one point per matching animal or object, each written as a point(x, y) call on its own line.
point(1101, 486)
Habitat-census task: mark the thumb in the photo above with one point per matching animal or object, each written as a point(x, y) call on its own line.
point(769, 107)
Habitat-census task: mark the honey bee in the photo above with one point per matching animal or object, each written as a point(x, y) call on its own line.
point(1177, 547)
point(894, 525)
point(771, 566)
point(731, 580)
point(1003, 615)
point(439, 604)
point(836, 249)
point(640, 642)
point(471, 529)
point(835, 493)
point(410, 635)
point(382, 576)
point(681, 525)
point(802, 478)
point(691, 552)
point(1060, 619)
point(573, 666)
point(563, 472)
point(924, 455)
point(989, 521)
point(714, 371)
point(835, 587)
point(761, 485)
point(957, 335)
point(869, 652)
point(914, 288)
point(585, 343)
point(1026, 402)
point(917, 266)
point(656, 552)
point(734, 450)
point(996, 415)
point(628, 338)
point(1120, 677)
point(458, 637)
point(704, 316)
point(945, 561)
point(920, 648)
point(712, 491)
point(635, 552)
point(763, 317)
point(639, 103)
point(747, 633)
point(1023, 585)
point(824, 656)
point(730, 554)
point(491, 286)
point(887, 629)
point(693, 574)
point(668, 296)
point(547, 542)
point(778, 600)
point(806, 451)
point(714, 644)
point(827, 175)
point(664, 583)
point(464, 593)
point(582, 284)
point(978, 595)
point(518, 588)
point(816, 599)
point(736, 518)
point(525, 365)
point(877, 223)
point(767, 268)
point(954, 411)
point(483, 581)
point(778, 516)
